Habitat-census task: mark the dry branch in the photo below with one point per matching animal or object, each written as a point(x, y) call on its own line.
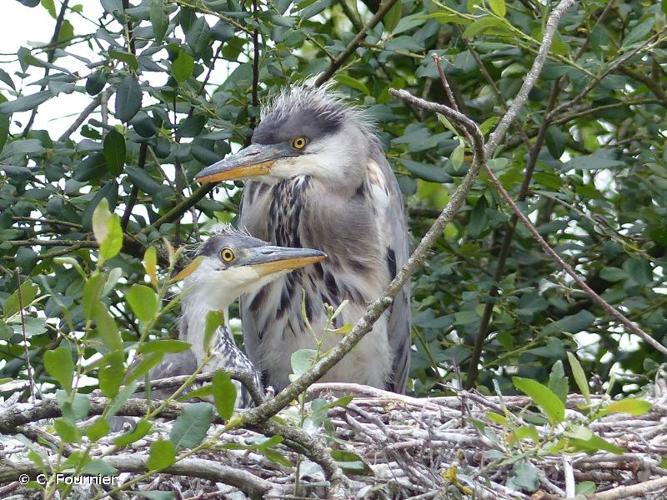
point(408, 444)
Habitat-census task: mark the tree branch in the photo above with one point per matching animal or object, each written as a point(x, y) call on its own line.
point(530, 79)
point(356, 41)
point(248, 483)
point(86, 113)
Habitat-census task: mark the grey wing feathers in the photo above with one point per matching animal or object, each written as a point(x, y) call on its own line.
point(398, 243)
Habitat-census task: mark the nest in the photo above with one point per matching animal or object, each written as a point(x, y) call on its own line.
point(393, 446)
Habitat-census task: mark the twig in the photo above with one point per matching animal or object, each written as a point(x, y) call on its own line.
point(179, 209)
point(31, 379)
point(611, 310)
point(132, 198)
point(50, 57)
point(356, 41)
point(635, 490)
point(530, 79)
point(596, 79)
point(568, 472)
point(53, 243)
point(248, 483)
point(244, 377)
point(102, 96)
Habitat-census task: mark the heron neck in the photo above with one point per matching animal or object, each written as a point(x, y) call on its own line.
point(193, 322)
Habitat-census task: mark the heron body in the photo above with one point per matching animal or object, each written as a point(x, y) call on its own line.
point(317, 177)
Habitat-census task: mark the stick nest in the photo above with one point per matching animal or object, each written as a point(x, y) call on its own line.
point(393, 446)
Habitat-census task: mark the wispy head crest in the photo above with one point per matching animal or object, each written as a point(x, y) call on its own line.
point(323, 101)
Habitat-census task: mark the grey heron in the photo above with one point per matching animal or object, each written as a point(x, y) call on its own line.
point(316, 175)
point(233, 263)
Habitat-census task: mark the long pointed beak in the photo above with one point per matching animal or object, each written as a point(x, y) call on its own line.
point(255, 160)
point(269, 259)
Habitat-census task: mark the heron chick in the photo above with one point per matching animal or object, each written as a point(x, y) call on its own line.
point(316, 176)
point(233, 263)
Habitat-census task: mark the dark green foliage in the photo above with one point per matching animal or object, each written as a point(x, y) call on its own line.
point(597, 190)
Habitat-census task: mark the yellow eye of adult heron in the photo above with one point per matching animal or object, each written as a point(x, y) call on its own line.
point(299, 142)
point(227, 255)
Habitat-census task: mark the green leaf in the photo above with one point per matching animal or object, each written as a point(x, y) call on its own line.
point(67, 430)
point(182, 67)
point(498, 7)
point(162, 454)
point(142, 428)
point(277, 458)
point(543, 397)
point(595, 443)
point(143, 301)
point(128, 99)
point(214, 319)
point(142, 180)
point(351, 462)
point(558, 382)
point(28, 291)
point(114, 151)
point(600, 160)
point(111, 373)
point(98, 466)
point(224, 394)
point(409, 22)
point(50, 7)
point(392, 17)
point(74, 410)
point(488, 23)
point(524, 476)
point(95, 82)
point(585, 488)
point(631, 406)
point(478, 218)
point(107, 230)
point(159, 20)
point(92, 292)
point(192, 425)
point(150, 265)
point(165, 346)
point(107, 328)
point(98, 429)
point(198, 36)
point(120, 399)
point(25, 103)
point(4, 130)
point(639, 33)
point(58, 363)
point(126, 57)
point(302, 361)
point(427, 172)
point(579, 376)
point(147, 362)
point(457, 155)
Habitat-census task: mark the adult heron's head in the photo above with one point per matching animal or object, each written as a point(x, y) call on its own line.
point(304, 131)
point(234, 263)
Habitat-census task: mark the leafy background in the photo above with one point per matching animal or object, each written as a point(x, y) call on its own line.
point(175, 85)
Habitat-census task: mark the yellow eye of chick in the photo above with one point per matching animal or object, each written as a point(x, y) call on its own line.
point(227, 255)
point(299, 142)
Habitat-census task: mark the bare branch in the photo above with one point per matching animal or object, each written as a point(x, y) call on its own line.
point(530, 79)
point(99, 99)
point(352, 46)
point(253, 486)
